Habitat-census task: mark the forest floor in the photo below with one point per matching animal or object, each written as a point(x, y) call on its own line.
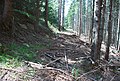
point(65, 58)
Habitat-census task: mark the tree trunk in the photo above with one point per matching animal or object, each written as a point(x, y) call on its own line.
point(87, 19)
point(37, 11)
point(99, 31)
point(63, 12)
point(103, 19)
point(46, 13)
point(80, 29)
point(59, 14)
point(78, 20)
point(73, 17)
point(118, 37)
point(2, 2)
point(96, 45)
point(90, 36)
point(6, 17)
point(109, 32)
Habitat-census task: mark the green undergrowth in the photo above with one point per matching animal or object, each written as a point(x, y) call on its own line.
point(17, 53)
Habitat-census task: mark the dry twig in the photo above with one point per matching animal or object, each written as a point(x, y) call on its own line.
point(88, 73)
point(113, 77)
point(52, 62)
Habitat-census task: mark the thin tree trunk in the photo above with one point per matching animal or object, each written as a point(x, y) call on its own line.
point(80, 29)
point(109, 32)
point(46, 13)
point(73, 17)
point(37, 11)
point(118, 37)
point(59, 14)
point(99, 29)
point(90, 36)
point(103, 19)
point(87, 19)
point(63, 12)
point(78, 19)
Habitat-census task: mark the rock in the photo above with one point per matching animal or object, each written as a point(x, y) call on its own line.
point(23, 26)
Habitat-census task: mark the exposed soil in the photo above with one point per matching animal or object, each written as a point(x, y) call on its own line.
point(68, 59)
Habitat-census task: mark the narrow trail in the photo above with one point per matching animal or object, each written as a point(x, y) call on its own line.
point(60, 62)
point(68, 47)
point(67, 59)
point(67, 52)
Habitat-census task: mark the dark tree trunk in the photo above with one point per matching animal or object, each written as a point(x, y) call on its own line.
point(90, 37)
point(46, 13)
point(6, 17)
point(80, 29)
point(63, 17)
point(109, 32)
point(96, 45)
point(2, 2)
point(103, 20)
point(91, 33)
point(99, 32)
point(37, 13)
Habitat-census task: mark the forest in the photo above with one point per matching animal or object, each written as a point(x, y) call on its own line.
point(59, 40)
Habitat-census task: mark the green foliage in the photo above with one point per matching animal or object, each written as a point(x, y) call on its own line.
point(17, 53)
point(25, 13)
point(9, 61)
point(25, 51)
point(52, 12)
point(72, 11)
point(34, 8)
point(75, 72)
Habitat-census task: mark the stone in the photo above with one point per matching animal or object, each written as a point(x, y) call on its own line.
point(23, 26)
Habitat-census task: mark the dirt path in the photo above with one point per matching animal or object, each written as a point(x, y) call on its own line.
point(68, 59)
point(68, 47)
point(60, 62)
point(68, 53)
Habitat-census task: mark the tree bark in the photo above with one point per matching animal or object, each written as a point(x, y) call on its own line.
point(37, 13)
point(103, 19)
point(46, 13)
point(90, 36)
point(63, 16)
point(96, 45)
point(99, 32)
point(6, 17)
point(59, 14)
point(109, 32)
point(118, 37)
point(80, 27)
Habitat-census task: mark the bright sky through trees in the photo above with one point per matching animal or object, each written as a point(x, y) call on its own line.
point(67, 5)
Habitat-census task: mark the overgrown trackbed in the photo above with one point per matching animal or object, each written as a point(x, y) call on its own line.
point(67, 59)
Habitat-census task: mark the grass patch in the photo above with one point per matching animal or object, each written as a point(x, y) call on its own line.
point(17, 53)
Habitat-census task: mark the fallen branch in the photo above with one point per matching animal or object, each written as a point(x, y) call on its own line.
point(55, 69)
point(41, 67)
point(88, 57)
point(88, 73)
point(1, 77)
point(9, 69)
point(52, 62)
point(113, 77)
point(35, 65)
point(59, 61)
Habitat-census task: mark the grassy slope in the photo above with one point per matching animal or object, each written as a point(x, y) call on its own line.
point(16, 53)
